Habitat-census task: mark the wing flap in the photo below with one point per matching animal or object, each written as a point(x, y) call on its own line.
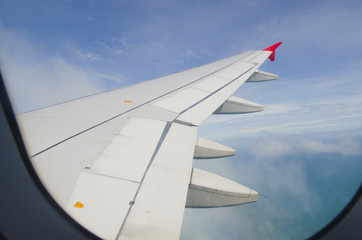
point(151, 161)
point(158, 209)
point(100, 203)
point(111, 182)
point(129, 152)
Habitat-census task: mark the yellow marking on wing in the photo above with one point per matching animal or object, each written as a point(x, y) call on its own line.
point(78, 205)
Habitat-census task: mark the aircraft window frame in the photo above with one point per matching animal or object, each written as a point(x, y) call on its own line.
point(78, 231)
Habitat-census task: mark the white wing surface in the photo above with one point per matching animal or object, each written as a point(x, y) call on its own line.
point(120, 162)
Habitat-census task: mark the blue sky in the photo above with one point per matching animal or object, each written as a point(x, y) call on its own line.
point(303, 151)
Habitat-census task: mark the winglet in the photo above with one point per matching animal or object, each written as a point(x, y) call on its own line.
point(272, 49)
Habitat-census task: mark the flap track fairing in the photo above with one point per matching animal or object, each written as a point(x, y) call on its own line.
point(235, 105)
point(208, 190)
point(210, 149)
point(261, 76)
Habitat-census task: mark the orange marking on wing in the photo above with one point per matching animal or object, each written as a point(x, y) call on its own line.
point(78, 205)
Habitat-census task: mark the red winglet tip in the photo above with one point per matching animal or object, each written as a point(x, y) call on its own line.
point(272, 49)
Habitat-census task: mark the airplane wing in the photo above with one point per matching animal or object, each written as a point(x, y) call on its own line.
point(120, 162)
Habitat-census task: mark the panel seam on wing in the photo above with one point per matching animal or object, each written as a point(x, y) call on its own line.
point(162, 138)
point(129, 110)
point(219, 89)
point(223, 193)
point(105, 175)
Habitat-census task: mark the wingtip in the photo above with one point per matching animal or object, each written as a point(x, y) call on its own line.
point(272, 48)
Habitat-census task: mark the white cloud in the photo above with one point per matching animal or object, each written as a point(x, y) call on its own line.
point(273, 146)
point(346, 147)
point(122, 40)
point(114, 51)
point(35, 79)
point(324, 26)
point(284, 181)
point(284, 168)
point(272, 109)
point(83, 57)
point(117, 78)
point(317, 104)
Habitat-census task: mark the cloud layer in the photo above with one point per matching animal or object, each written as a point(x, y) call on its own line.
point(307, 178)
point(35, 79)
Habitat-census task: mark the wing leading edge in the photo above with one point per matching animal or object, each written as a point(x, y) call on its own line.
point(120, 163)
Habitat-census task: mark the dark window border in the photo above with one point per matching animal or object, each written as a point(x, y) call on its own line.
point(28, 220)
